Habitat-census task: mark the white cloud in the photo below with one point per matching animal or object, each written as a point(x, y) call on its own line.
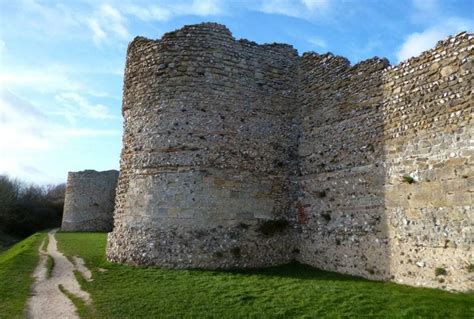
point(74, 106)
point(424, 10)
point(3, 48)
point(42, 79)
point(51, 19)
point(426, 5)
point(168, 10)
point(21, 124)
point(317, 42)
point(106, 21)
point(98, 35)
point(154, 12)
point(204, 8)
point(316, 5)
point(28, 128)
point(418, 42)
point(27, 134)
point(304, 9)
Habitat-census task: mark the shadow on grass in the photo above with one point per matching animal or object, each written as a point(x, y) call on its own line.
point(292, 270)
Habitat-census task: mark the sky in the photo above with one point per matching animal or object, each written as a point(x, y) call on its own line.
point(62, 61)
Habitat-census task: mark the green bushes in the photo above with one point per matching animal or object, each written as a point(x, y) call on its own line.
point(470, 268)
point(408, 179)
point(26, 209)
point(440, 271)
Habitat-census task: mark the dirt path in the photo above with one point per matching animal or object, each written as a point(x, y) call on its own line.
point(47, 301)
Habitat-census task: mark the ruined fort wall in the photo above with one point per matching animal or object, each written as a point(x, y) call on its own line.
point(244, 155)
point(208, 141)
point(428, 136)
point(340, 197)
point(363, 130)
point(89, 201)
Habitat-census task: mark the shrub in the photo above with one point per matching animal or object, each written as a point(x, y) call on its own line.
point(408, 179)
point(27, 208)
point(440, 271)
point(470, 268)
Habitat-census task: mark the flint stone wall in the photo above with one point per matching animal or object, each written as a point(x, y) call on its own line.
point(385, 185)
point(244, 155)
point(89, 201)
point(208, 141)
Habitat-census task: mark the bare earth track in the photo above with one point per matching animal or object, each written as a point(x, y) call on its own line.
point(47, 301)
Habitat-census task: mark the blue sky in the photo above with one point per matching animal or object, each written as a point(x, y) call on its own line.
point(61, 62)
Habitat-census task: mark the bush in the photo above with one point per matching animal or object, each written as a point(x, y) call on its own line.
point(27, 208)
point(408, 179)
point(440, 271)
point(470, 268)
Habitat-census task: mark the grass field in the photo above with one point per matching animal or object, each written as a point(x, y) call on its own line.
point(16, 266)
point(280, 292)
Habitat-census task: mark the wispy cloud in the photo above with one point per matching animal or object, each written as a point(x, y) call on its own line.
point(50, 19)
point(304, 9)
point(73, 106)
point(317, 42)
point(165, 11)
point(29, 133)
point(48, 78)
point(29, 128)
point(107, 21)
point(417, 42)
point(424, 10)
point(3, 48)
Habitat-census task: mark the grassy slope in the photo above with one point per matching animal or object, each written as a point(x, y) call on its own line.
point(280, 292)
point(16, 266)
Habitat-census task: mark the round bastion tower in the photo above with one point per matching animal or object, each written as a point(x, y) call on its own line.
point(207, 149)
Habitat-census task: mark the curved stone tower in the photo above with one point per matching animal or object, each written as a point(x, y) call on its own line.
point(89, 201)
point(207, 147)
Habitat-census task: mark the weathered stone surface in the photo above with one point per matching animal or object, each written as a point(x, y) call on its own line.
point(363, 169)
point(89, 202)
point(207, 145)
point(365, 127)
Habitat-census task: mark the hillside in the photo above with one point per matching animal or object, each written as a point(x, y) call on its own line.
point(280, 292)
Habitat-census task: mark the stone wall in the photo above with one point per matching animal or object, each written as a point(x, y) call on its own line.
point(386, 166)
point(428, 135)
point(341, 150)
point(207, 146)
point(244, 155)
point(89, 201)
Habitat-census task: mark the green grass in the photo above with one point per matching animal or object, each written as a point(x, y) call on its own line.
point(280, 292)
point(16, 267)
point(83, 310)
point(49, 267)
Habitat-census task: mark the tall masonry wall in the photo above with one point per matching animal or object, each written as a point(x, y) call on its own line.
point(341, 155)
point(207, 147)
point(244, 155)
point(385, 190)
point(89, 201)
